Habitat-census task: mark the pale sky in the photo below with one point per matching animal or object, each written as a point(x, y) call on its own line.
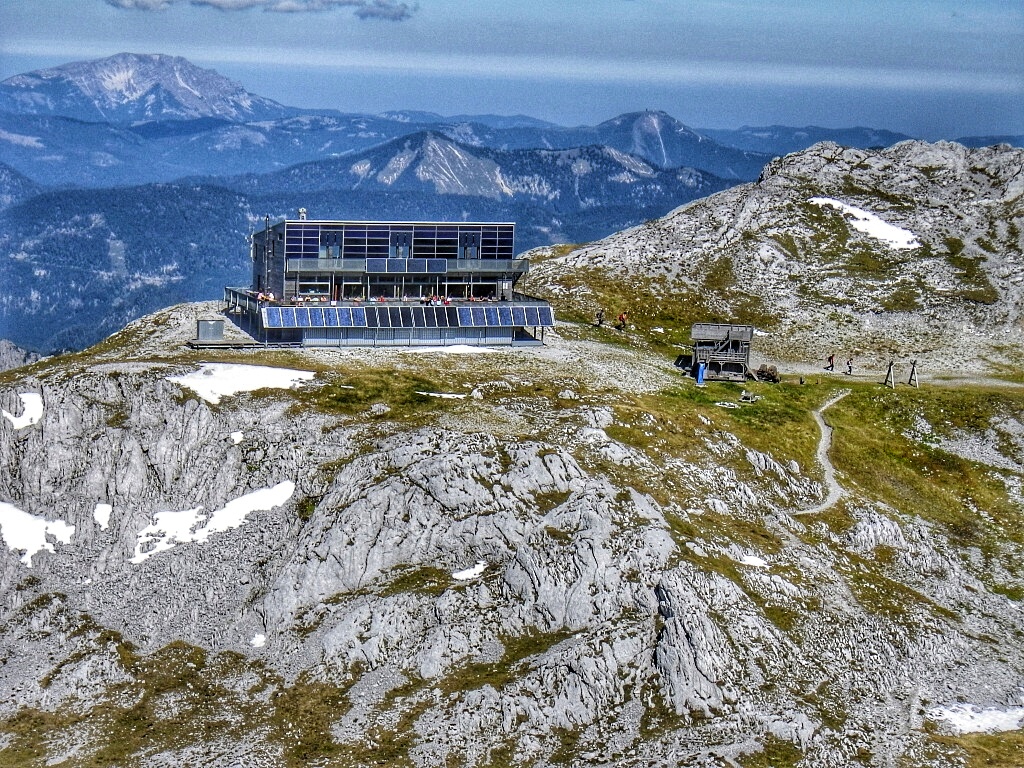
point(930, 68)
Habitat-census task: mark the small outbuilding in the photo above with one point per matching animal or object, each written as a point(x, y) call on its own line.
point(721, 352)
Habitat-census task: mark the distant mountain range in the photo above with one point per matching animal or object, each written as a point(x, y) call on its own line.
point(132, 182)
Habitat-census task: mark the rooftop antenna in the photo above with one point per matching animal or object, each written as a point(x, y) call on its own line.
point(302, 214)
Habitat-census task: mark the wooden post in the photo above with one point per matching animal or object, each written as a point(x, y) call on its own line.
point(890, 378)
point(912, 381)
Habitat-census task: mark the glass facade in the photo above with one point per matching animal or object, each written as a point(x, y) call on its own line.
point(341, 260)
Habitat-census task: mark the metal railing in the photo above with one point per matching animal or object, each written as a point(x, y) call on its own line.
point(358, 266)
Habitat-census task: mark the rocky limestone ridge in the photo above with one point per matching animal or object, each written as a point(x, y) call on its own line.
point(819, 281)
point(571, 560)
point(13, 356)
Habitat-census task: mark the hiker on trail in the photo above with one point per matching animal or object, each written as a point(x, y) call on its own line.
point(831, 362)
point(600, 318)
point(622, 321)
point(849, 367)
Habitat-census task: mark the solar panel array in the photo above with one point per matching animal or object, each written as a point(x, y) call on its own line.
point(406, 317)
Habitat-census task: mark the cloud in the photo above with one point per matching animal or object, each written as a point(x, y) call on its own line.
point(391, 10)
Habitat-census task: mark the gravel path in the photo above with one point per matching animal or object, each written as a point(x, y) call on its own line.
point(824, 443)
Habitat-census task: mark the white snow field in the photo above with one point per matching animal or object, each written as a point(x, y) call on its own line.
point(22, 531)
point(871, 225)
point(31, 410)
point(216, 380)
point(102, 515)
point(470, 573)
point(171, 528)
point(970, 718)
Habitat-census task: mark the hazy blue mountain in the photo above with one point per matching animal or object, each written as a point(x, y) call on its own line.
point(128, 87)
point(991, 141)
point(15, 187)
point(574, 179)
point(491, 121)
point(779, 140)
point(89, 261)
point(656, 137)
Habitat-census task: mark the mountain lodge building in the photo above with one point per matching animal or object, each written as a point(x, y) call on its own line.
point(363, 283)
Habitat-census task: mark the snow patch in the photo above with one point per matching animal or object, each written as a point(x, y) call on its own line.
point(171, 528)
point(871, 225)
point(258, 640)
point(753, 560)
point(215, 380)
point(443, 395)
point(237, 437)
point(470, 573)
point(970, 718)
point(102, 515)
point(22, 531)
point(32, 142)
point(31, 410)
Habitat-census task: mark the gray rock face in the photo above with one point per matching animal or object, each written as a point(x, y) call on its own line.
point(13, 356)
point(538, 588)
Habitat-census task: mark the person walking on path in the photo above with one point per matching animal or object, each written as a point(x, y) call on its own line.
point(831, 362)
point(849, 367)
point(622, 321)
point(600, 318)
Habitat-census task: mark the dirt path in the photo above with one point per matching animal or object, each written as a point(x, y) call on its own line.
point(824, 443)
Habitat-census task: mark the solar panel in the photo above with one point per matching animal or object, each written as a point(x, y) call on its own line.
point(417, 265)
point(370, 316)
point(405, 317)
point(330, 317)
point(491, 313)
point(272, 317)
point(383, 318)
point(376, 265)
point(288, 317)
point(443, 317)
point(465, 317)
point(547, 317)
point(504, 316)
point(344, 317)
point(396, 317)
point(518, 316)
point(316, 317)
point(359, 317)
point(479, 319)
point(437, 266)
point(396, 265)
point(430, 317)
point(532, 318)
point(453, 317)
point(417, 317)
